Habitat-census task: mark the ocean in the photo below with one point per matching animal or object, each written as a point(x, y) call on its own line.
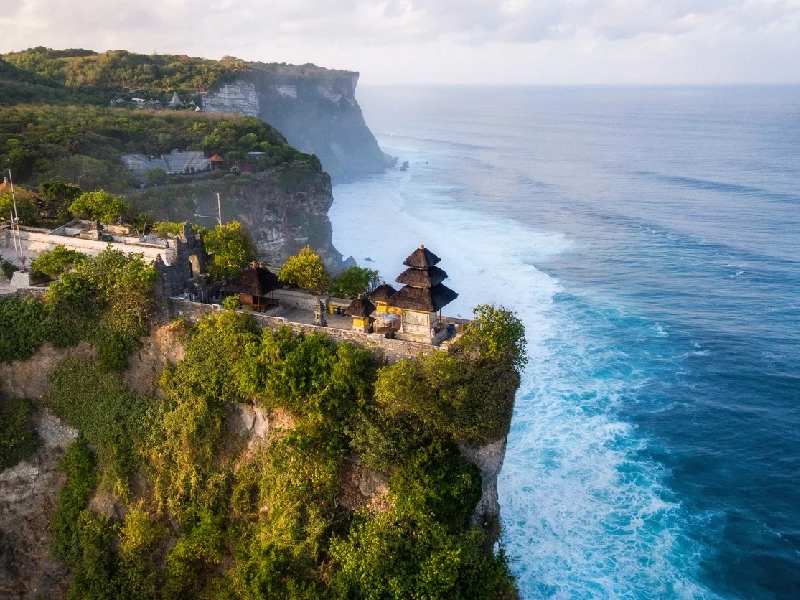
point(649, 238)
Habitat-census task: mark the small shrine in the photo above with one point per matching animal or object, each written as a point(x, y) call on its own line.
point(423, 295)
point(254, 287)
point(361, 309)
point(381, 296)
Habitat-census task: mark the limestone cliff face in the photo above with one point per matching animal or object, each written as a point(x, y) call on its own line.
point(317, 113)
point(489, 459)
point(284, 209)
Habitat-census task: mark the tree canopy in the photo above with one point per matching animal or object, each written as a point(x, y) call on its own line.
point(99, 206)
point(230, 249)
point(82, 144)
point(353, 281)
point(305, 270)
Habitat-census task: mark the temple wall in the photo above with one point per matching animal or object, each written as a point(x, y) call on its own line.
point(383, 348)
point(36, 242)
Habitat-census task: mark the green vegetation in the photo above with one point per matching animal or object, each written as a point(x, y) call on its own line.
point(215, 518)
point(98, 206)
point(18, 86)
point(106, 300)
point(468, 393)
point(305, 270)
point(22, 324)
point(157, 176)
point(18, 439)
point(353, 281)
point(230, 250)
point(101, 407)
point(51, 264)
point(82, 144)
point(120, 69)
point(26, 208)
point(55, 198)
point(7, 268)
point(80, 465)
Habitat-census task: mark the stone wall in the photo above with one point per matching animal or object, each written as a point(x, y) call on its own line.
point(384, 349)
point(187, 262)
point(36, 242)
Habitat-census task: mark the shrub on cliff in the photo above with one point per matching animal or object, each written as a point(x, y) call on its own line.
point(230, 248)
point(306, 271)
point(422, 547)
point(18, 439)
point(468, 393)
point(21, 325)
point(105, 411)
point(107, 300)
point(53, 263)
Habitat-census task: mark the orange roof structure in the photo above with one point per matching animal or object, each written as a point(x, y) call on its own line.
point(216, 158)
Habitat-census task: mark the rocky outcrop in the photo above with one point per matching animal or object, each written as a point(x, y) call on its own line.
point(30, 378)
point(489, 459)
point(28, 494)
point(284, 209)
point(317, 112)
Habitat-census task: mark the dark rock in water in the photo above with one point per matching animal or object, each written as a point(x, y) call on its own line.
point(316, 111)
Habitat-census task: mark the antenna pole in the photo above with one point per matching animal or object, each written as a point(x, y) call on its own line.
point(15, 226)
point(219, 210)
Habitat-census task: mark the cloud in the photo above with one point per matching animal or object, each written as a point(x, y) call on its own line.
point(318, 29)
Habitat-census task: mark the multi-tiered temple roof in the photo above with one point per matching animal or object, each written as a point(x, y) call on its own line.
point(423, 289)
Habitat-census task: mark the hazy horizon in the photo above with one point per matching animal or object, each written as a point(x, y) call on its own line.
point(512, 42)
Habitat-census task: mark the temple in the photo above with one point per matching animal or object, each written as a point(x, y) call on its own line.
point(423, 295)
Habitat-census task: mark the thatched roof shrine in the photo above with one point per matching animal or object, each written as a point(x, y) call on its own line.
point(382, 293)
point(424, 299)
point(421, 258)
point(360, 307)
point(423, 290)
point(422, 278)
point(255, 281)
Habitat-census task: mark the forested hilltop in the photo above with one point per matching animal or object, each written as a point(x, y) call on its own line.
point(84, 144)
point(313, 107)
point(118, 70)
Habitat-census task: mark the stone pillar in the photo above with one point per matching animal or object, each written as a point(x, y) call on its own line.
point(319, 314)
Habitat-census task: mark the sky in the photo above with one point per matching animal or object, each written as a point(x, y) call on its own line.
point(443, 41)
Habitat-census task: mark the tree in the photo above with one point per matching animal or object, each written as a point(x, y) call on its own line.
point(305, 270)
point(157, 176)
point(355, 280)
point(143, 222)
point(26, 208)
point(57, 197)
point(99, 206)
point(231, 250)
point(55, 262)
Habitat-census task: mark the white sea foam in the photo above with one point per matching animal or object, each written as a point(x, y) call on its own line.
point(584, 516)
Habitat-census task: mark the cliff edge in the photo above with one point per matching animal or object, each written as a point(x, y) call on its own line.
point(317, 113)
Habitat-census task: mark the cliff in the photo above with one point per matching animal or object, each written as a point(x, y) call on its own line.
point(313, 107)
point(317, 112)
point(284, 209)
point(264, 457)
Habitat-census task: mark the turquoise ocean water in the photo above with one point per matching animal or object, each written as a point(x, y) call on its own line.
point(650, 240)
